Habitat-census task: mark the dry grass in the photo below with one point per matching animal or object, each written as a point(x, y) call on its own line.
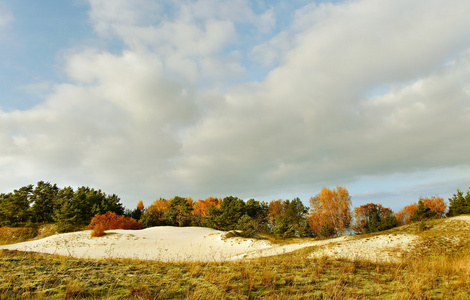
point(437, 269)
point(290, 276)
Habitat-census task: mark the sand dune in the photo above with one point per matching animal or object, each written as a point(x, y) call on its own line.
point(172, 244)
point(156, 243)
point(201, 244)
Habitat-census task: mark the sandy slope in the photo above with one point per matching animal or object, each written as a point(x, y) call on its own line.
point(156, 243)
point(461, 218)
point(381, 248)
point(199, 244)
point(204, 244)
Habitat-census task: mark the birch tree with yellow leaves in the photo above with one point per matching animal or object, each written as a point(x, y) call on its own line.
point(330, 212)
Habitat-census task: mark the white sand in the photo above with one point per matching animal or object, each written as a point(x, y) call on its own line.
point(201, 244)
point(381, 248)
point(204, 244)
point(156, 243)
point(461, 218)
point(160, 243)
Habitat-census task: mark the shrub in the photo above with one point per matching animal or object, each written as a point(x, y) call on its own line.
point(437, 209)
point(111, 220)
point(423, 212)
point(98, 230)
point(372, 218)
point(245, 224)
point(327, 231)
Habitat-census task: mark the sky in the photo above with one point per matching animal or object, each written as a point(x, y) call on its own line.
point(255, 99)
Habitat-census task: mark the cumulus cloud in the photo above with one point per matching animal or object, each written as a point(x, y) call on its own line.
point(162, 117)
point(310, 122)
point(188, 42)
point(118, 118)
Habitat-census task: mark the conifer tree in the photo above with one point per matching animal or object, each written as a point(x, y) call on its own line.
point(459, 204)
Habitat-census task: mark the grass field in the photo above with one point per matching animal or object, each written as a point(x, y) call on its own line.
point(438, 268)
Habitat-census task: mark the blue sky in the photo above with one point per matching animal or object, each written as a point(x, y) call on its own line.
point(273, 99)
point(31, 44)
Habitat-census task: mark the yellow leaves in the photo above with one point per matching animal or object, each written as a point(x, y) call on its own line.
point(275, 209)
point(160, 205)
point(331, 207)
point(201, 207)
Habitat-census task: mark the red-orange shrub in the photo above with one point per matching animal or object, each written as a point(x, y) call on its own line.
point(110, 220)
point(98, 230)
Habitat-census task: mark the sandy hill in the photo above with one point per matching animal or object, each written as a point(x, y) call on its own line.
point(204, 244)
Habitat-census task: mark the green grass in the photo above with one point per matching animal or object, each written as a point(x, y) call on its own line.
point(439, 268)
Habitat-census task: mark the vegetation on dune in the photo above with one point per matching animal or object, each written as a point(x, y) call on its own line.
point(437, 208)
point(436, 269)
point(372, 218)
point(110, 220)
point(329, 214)
point(331, 209)
point(46, 203)
point(459, 204)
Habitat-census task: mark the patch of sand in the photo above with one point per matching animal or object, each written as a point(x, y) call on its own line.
point(461, 218)
point(381, 248)
point(156, 243)
point(200, 244)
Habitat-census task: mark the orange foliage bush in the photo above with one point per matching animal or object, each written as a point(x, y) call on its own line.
point(98, 230)
point(437, 204)
point(404, 215)
point(434, 202)
point(111, 220)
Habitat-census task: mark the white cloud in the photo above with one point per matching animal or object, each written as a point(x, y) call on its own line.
point(270, 53)
point(309, 121)
point(110, 17)
point(118, 119)
point(198, 32)
point(155, 118)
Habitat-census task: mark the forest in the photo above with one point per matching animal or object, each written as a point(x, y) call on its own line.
point(330, 212)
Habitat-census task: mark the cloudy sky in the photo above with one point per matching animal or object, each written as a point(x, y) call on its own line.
point(255, 99)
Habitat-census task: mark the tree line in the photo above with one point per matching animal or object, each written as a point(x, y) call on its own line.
point(329, 214)
point(46, 203)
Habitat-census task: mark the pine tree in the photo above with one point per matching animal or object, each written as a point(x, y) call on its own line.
point(66, 212)
point(245, 224)
point(423, 212)
point(459, 204)
point(43, 198)
point(14, 207)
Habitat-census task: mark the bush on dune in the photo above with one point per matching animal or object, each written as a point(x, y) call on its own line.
point(111, 220)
